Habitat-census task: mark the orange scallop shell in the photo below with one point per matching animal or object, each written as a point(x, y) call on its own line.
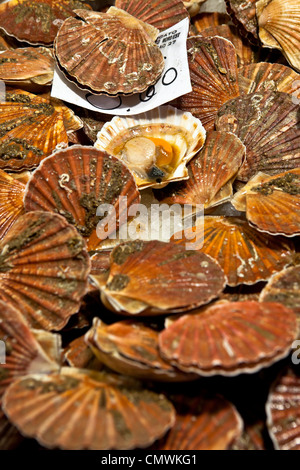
point(75, 182)
point(214, 78)
point(162, 14)
point(79, 354)
point(30, 130)
point(230, 338)
point(36, 21)
point(268, 123)
point(11, 201)
point(43, 269)
point(160, 277)
point(205, 20)
point(210, 173)
point(80, 409)
point(245, 255)
point(108, 54)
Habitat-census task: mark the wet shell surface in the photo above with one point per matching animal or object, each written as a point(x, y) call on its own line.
point(206, 423)
point(30, 130)
point(75, 182)
point(155, 146)
point(273, 206)
point(108, 53)
point(279, 27)
point(26, 66)
point(230, 338)
point(268, 77)
point(210, 173)
point(269, 126)
point(283, 411)
point(245, 255)
point(131, 348)
point(162, 14)
point(160, 277)
point(11, 201)
point(284, 287)
point(243, 14)
point(78, 409)
point(43, 269)
point(214, 78)
point(36, 21)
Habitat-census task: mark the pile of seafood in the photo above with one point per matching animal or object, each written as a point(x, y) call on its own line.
point(111, 343)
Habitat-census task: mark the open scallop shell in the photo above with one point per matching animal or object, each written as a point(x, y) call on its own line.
point(268, 77)
point(269, 125)
point(79, 409)
point(108, 53)
point(283, 408)
point(43, 269)
point(284, 287)
point(30, 130)
point(203, 423)
point(75, 182)
point(131, 348)
point(11, 201)
point(156, 145)
point(214, 77)
point(230, 338)
point(156, 278)
point(36, 21)
point(279, 27)
point(273, 206)
point(210, 173)
point(162, 14)
point(245, 255)
point(243, 14)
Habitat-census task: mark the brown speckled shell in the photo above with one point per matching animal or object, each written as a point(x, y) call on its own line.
point(43, 269)
point(209, 172)
point(78, 409)
point(245, 255)
point(243, 14)
point(11, 201)
point(36, 21)
point(269, 125)
point(162, 14)
point(251, 439)
point(30, 130)
point(230, 338)
point(214, 78)
point(75, 182)
point(106, 54)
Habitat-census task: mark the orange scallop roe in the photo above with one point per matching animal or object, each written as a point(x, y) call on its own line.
point(165, 151)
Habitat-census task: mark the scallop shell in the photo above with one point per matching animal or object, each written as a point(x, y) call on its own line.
point(11, 201)
point(284, 287)
point(282, 410)
point(75, 182)
point(245, 255)
point(263, 77)
point(43, 269)
point(243, 14)
point(160, 277)
point(4, 45)
point(209, 20)
point(162, 14)
point(36, 21)
point(30, 130)
point(245, 52)
point(273, 206)
point(27, 66)
point(108, 53)
point(79, 409)
point(269, 125)
point(214, 78)
point(230, 338)
point(279, 27)
point(184, 133)
point(79, 354)
point(209, 172)
point(71, 121)
point(251, 439)
point(205, 423)
point(131, 348)
point(10, 438)
point(193, 7)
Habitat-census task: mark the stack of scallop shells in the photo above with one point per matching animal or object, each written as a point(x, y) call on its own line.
point(108, 344)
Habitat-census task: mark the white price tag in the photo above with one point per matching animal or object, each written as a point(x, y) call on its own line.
point(175, 80)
